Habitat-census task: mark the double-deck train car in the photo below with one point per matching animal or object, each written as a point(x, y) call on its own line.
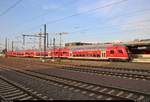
point(43, 53)
point(11, 53)
point(20, 53)
point(59, 52)
point(101, 53)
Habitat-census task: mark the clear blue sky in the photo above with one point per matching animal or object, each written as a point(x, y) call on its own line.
point(124, 21)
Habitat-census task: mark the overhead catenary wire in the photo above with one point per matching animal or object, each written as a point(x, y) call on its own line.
point(122, 15)
point(127, 14)
point(46, 13)
point(111, 26)
point(80, 13)
point(91, 10)
point(64, 19)
point(11, 7)
point(131, 31)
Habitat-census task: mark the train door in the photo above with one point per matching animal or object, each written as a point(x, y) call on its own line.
point(103, 54)
point(70, 54)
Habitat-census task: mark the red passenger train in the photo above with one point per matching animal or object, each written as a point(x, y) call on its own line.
point(93, 53)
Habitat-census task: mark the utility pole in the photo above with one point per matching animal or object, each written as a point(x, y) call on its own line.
point(6, 44)
point(60, 34)
point(12, 45)
point(40, 34)
point(53, 48)
point(23, 39)
point(60, 43)
point(47, 40)
point(5, 51)
point(50, 43)
point(44, 40)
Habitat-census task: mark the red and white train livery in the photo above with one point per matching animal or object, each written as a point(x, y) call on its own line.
point(96, 53)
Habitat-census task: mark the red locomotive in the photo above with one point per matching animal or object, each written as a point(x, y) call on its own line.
point(94, 53)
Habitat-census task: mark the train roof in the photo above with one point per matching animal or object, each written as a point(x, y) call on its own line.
point(86, 47)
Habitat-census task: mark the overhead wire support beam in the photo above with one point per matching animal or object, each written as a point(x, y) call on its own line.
point(29, 36)
point(6, 44)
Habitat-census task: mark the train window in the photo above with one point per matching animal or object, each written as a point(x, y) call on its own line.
point(64, 52)
point(98, 55)
point(111, 51)
point(87, 55)
point(94, 55)
point(120, 51)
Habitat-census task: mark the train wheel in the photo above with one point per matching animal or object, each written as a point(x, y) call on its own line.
point(110, 60)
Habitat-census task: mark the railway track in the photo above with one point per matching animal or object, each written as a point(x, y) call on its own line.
point(134, 70)
point(117, 68)
point(130, 75)
point(93, 90)
point(10, 90)
point(118, 72)
point(135, 74)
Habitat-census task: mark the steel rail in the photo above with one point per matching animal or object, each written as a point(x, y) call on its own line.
point(122, 94)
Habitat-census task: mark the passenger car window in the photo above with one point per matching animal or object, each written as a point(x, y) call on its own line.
point(94, 55)
point(111, 51)
point(98, 55)
point(64, 52)
point(120, 51)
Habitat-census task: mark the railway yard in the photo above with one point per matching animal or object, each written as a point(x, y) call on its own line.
point(31, 79)
point(75, 50)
